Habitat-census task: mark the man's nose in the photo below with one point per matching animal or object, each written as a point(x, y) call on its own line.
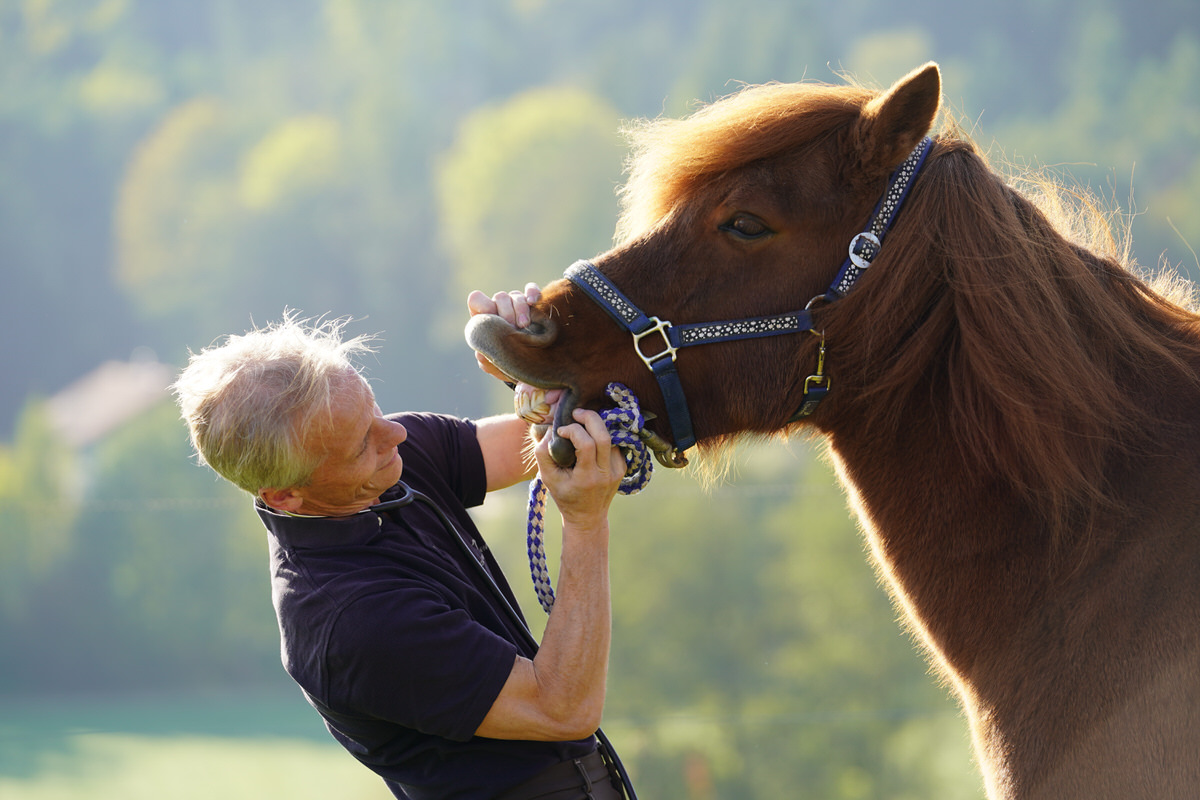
point(398, 433)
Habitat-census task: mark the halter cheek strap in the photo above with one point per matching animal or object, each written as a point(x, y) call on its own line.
point(865, 245)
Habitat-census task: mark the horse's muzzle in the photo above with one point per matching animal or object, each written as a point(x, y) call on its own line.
point(504, 345)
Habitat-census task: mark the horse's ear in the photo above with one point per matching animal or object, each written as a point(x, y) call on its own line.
point(892, 124)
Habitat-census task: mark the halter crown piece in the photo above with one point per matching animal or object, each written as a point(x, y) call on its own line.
point(864, 247)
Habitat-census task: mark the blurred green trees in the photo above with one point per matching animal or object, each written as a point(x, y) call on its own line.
point(170, 171)
point(38, 511)
point(527, 187)
point(126, 572)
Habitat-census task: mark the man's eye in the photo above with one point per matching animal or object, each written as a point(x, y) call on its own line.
point(746, 226)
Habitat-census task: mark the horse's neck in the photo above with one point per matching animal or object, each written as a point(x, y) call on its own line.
point(962, 560)
point(1055, 650)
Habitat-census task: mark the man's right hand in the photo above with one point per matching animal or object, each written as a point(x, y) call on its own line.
point(583, 492)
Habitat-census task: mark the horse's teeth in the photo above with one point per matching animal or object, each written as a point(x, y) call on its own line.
point(531, 405)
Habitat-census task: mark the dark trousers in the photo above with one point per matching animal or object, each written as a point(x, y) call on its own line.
point(586, 778)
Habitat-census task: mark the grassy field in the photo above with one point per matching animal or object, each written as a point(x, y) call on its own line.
point(174, 748)
point(117, 767)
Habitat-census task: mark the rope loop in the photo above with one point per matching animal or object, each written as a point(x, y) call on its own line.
point(624, 422)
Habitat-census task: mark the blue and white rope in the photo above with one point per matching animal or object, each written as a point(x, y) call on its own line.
point(623, 423)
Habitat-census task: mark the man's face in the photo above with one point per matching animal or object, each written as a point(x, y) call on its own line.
point(360, 460)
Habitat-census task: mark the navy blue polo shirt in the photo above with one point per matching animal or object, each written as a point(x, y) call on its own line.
point(396, 637)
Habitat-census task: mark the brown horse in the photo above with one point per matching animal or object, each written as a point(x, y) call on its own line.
point(1015, 415)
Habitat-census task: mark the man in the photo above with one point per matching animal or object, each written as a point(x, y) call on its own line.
point(395, 619)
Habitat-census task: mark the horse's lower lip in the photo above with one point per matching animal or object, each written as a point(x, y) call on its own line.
point(562, 413)
point(561, 450)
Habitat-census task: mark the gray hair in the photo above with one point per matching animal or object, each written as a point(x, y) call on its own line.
point(250, 402)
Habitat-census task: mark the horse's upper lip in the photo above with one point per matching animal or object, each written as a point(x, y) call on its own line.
point(493, 336)
point(496, 339)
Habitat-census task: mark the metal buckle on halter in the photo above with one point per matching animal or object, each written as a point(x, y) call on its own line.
point(660, 327)
point(855, 257)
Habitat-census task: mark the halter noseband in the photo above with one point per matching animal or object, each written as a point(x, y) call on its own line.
point(864, 247)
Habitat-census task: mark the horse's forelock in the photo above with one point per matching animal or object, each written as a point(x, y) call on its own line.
point(670, 159)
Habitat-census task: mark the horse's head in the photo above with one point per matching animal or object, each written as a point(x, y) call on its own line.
point(743, 210)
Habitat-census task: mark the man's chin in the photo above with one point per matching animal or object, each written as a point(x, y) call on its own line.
point(388, 478)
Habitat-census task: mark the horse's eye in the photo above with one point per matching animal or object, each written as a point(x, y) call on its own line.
point(746, 226)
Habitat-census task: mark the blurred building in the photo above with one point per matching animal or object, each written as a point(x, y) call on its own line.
point(107, 397)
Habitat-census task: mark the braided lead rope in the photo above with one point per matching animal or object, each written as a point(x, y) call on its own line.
point(623, 423)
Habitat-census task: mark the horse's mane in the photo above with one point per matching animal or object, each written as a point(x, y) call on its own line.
point(1045, 356)
point(1050, 356)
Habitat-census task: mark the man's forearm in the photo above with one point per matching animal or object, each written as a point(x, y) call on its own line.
point(572, 664)
point(559, 695)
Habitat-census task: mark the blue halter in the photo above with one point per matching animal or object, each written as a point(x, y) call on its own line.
point(864, 247)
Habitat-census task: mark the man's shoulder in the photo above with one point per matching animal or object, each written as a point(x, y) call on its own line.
point(427, 424)
point(441, 445)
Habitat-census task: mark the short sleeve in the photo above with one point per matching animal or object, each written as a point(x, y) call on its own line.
point(444, 451)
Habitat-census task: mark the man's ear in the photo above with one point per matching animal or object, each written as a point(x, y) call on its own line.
point(286, 500)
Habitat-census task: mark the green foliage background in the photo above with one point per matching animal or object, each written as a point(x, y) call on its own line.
point(172, 170)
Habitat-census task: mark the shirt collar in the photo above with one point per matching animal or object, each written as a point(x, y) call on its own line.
point(303, 531)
